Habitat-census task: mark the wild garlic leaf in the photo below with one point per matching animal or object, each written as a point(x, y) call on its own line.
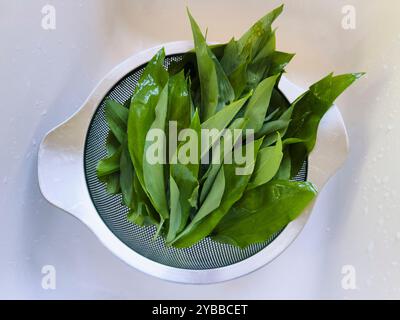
point(179, 104)
point(186, 175)
point(112, 181)
point(308, 111)
point(112, 144)
point(264, 211)
point(213, 199)
point(259, 31)
point(278, 105)
point(260, 65)
point(238, 79)
point(257, 107)
point(142, 109)
point(277, 63)
point(226, 93)
point(127, 174)
point(243, 51)
point(142, 211)
point(236, 185)
point(109, 165)
point(153, 169)
point(223, 118)
point(207, 73)
point(232, 57)
point(117, 117)
point(175, 210)
point(213, 169)
point(267, 165)
point(269, 129)
point(285, 170)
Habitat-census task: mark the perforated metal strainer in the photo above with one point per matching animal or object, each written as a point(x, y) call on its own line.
point(67, 175)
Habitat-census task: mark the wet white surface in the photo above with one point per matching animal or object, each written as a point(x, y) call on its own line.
point(46, 75)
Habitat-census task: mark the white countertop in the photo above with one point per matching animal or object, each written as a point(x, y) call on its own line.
point(46, 75)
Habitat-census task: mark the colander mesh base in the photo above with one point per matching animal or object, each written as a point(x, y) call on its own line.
point(205, 255)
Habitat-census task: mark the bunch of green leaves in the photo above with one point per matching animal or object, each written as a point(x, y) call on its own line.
point(229, 86)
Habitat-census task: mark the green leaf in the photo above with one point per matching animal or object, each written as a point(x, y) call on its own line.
point(236, 185)
point(272, 127)
point(264, 211)
point(142, 211)
point(185, 176)
point(260, 64)
point(256, 43)
point(221, 120)
point(267, 165)
point(207, 73)
point(127, 174)
point(224, 117)
point(112, 181)
point(175, 212)
point(117, 117)
point(280, 126)
point(112, 144)
point(226, 93)
point(259, 31)
point(179, 104)
point(109, 165)
point(137, 217)
point(257, 108)
point(238, 79)
point(277, 105)
point(142, 109)
point(213, 169)
point(277, 62)
point(233, 58)
point(308, 111)
point(214, 197)
point(284, 172)
point(154, 173)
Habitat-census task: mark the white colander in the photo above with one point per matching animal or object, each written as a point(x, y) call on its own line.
point(67, 177)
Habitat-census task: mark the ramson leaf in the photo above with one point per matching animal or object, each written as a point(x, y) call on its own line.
point(142, 109)
point(264, 211)
point(153, 169)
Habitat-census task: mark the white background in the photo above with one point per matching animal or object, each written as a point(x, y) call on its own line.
point(46, 75)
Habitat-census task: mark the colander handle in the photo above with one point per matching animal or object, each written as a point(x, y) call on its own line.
point(60, 166)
